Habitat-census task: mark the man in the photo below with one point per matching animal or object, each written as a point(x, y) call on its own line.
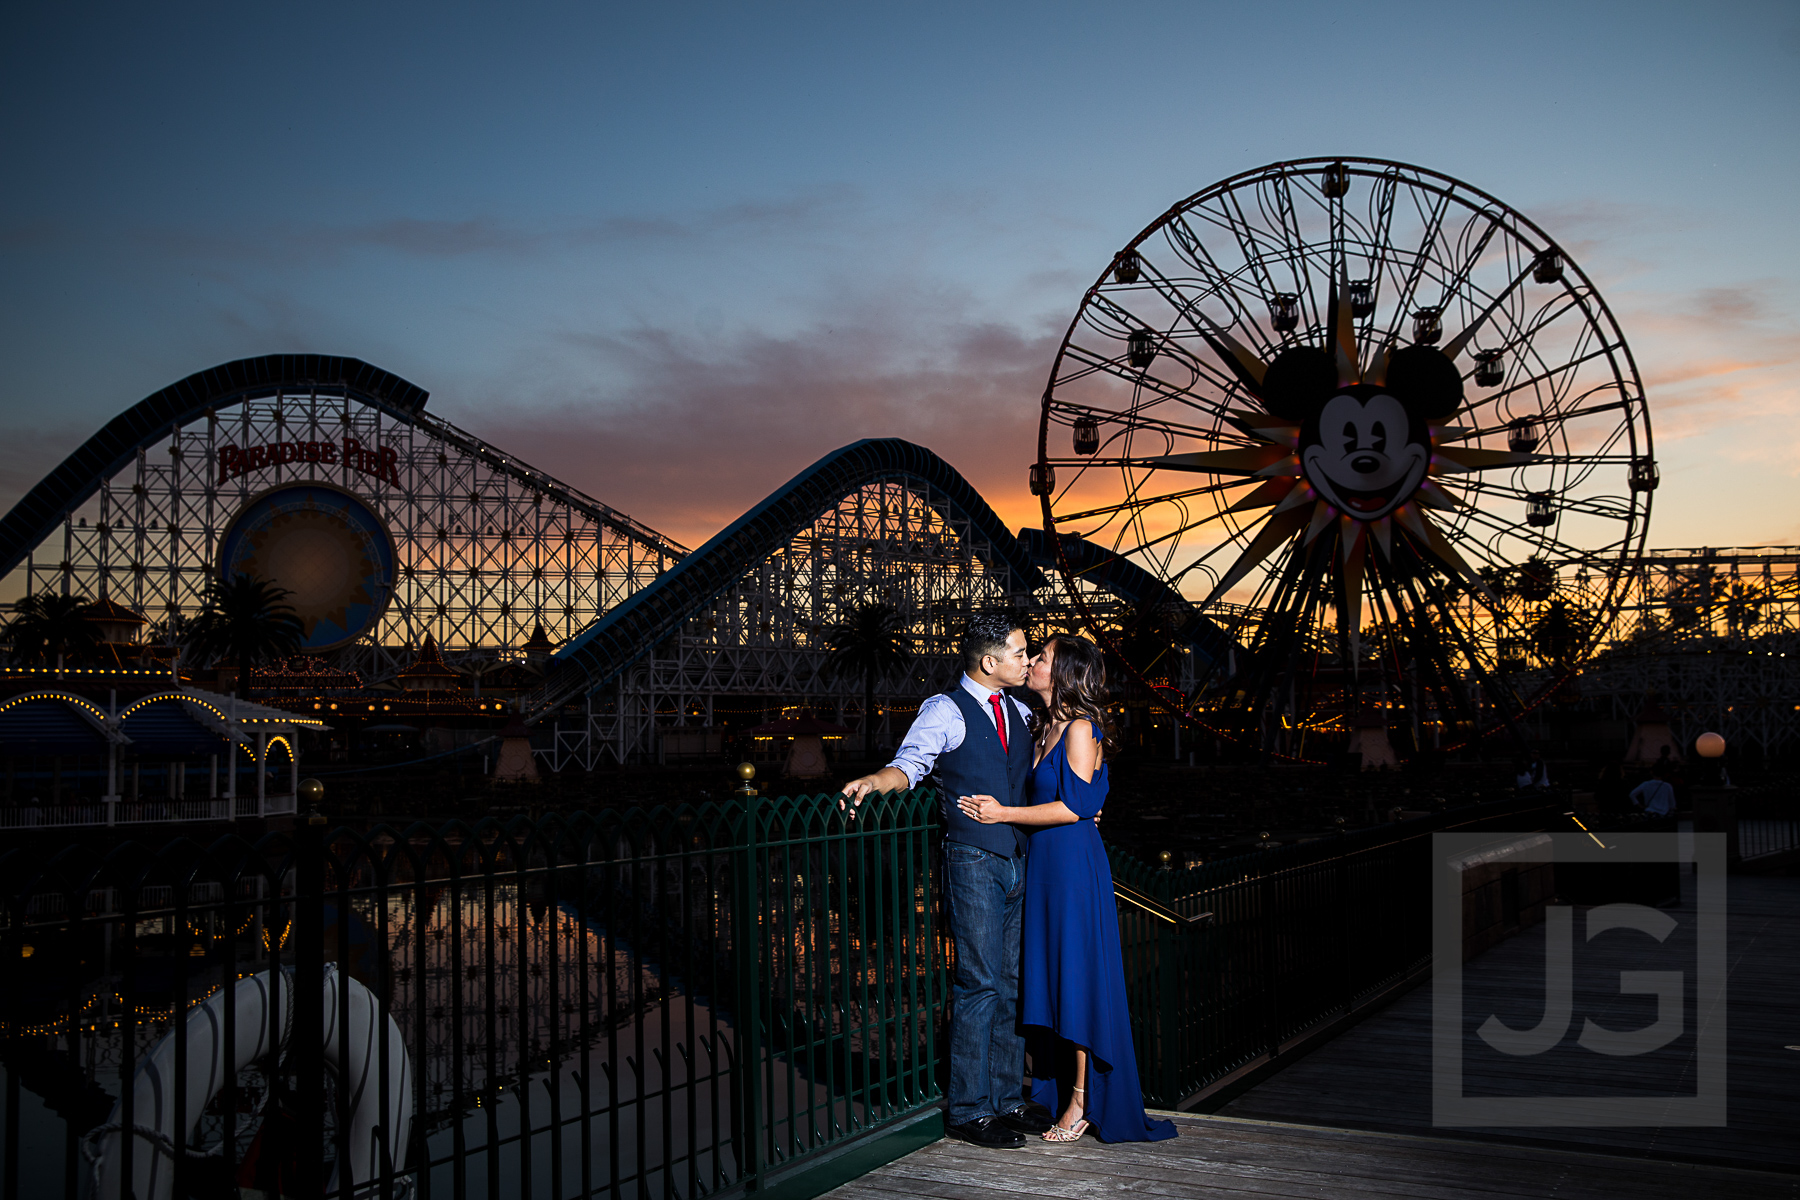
point(1655, 796)
point(974, 740)
point(1534, 777)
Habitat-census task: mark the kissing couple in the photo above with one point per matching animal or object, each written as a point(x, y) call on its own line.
point(1027, 892)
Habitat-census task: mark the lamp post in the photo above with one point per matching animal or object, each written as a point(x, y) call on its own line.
point(1715, 812)
point(309, 794)
point(1711, 746)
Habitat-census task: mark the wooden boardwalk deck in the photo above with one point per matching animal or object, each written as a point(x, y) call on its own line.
point(1232, 1157)
point(1353, 1118)
point(1377, 1076)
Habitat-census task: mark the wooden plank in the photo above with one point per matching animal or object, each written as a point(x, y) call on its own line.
point(1353, 1119)
point(1226, 1157)
point(1378, 1075)
point(1507, 1167)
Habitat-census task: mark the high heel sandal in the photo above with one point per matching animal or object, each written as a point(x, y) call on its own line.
point(1056, 1133)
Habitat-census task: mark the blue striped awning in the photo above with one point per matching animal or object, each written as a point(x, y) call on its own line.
point(168, 729)
point(48, 727)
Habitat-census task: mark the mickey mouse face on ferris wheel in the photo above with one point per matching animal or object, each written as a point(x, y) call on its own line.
point(1364, 447)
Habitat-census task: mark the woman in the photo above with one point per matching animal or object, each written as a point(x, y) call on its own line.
point(1071, 973)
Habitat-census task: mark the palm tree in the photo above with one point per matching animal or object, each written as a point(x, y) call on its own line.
point(51, 626)
point(1560, 634)
point(175, 632)
point(869, 642)
point(246, 620)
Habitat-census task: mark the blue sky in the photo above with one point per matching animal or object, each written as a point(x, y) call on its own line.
point(674, 253)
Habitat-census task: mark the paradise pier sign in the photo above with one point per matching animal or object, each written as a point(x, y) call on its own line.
point(379, 461)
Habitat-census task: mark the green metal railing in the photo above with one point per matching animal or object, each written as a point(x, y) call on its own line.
point(846, 997)
point(670, 1002)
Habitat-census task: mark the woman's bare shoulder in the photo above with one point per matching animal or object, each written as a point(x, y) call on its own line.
point(1082, 744)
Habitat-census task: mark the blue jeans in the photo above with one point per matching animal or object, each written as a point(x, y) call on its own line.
point(984, 895)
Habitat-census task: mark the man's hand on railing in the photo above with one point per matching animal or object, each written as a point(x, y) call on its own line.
point(888, 779)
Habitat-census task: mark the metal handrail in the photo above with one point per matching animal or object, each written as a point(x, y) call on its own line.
point(1157, 908)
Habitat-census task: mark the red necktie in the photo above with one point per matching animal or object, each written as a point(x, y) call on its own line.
point(999, 721)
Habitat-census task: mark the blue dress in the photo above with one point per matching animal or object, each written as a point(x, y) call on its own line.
point(1071, 971)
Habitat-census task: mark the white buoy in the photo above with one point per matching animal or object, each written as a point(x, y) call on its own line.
point(355, 1047)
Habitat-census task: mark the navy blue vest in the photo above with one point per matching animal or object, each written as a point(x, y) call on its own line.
point(979, 767)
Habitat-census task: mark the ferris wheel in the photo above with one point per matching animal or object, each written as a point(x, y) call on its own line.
point(1376, 427)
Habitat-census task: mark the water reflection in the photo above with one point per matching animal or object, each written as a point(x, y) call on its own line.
point(590, 1005)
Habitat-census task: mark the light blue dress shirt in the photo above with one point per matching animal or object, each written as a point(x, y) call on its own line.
point(1654, 796)
point(939, 729)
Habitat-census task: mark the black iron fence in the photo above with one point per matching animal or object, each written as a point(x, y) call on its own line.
point(1229, 962)
point(666, 1001)
point(1764, 820)
point(670, 1002)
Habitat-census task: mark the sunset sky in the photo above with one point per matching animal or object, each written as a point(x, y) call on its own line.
point(674, 253)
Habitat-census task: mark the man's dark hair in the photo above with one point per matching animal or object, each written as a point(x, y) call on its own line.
point(987, 634)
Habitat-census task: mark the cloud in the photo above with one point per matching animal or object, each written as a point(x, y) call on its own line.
point(436, 238)
point(669, 410)
point(704, 430)
point(685, 430)
point(1719, 366)
point(697, 431)
point(1732, 307)
point(1591, 220)
point(1704, 352)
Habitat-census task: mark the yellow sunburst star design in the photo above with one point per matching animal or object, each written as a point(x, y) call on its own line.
point(1307, 452)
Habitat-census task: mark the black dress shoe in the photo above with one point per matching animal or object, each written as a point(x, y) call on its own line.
point(987, 1131)
point(1030, 1118)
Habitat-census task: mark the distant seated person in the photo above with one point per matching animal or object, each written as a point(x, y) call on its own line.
point(1655, 797)
point(1533, 776)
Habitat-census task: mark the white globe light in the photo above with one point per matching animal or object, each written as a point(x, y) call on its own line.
point(1709, 745)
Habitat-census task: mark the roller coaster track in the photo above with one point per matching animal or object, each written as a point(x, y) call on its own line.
point(597, 655)
point(1124, 579)
point(154, 418)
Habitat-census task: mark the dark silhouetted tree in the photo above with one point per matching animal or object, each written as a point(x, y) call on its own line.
point(52, 628)
point(245, 621)
point(1561, 634)
point(869, 643)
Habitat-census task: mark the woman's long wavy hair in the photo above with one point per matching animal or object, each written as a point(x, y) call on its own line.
point(1078, 684)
